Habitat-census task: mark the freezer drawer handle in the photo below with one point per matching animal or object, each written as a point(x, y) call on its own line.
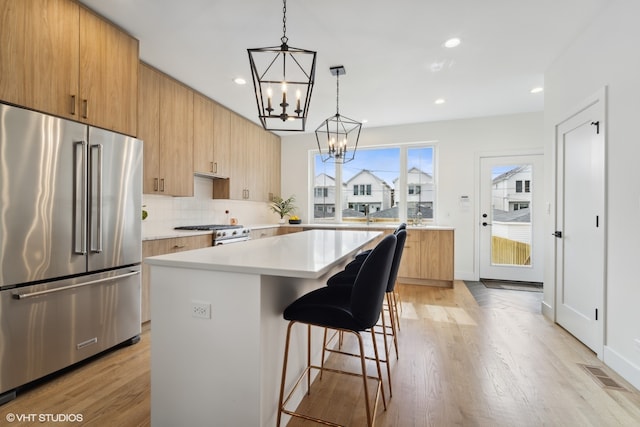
point(87, 343)
point(79, 285)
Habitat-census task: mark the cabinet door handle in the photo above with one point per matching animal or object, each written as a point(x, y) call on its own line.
point(73, 105)
point(179, 246)
point(215, 167)
point(212, 168)
point(162, 185)
point(155, 184)
point(85, 109)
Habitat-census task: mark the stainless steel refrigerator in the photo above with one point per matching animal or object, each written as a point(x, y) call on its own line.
point(70, 243)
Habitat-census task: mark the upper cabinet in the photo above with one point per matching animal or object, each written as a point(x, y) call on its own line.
point(108, 75)
point(221, 140)
point(255, 161)
point(165, 117)
point(211, 123)
point(59, 58)
point(203, 111)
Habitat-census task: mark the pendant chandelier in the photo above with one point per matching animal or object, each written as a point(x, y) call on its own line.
point(338, 134)
point(283, 79)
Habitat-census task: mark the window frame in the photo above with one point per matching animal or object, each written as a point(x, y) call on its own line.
point(401, 195)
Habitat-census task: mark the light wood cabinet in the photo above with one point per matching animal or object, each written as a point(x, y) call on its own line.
point(203, 134)
point(427, 258)
point(221, 140)
point(165, 114)
point(149, 125)
point(211, 137)
point(289, 230)
point(264, 232)
point(255, 162)
point(238, 138)
point(176, 138)
point(161, 247)
point(60, 58)
point(39, 56)
point(108, 75)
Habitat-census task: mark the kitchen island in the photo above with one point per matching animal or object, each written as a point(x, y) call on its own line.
point(218, 333)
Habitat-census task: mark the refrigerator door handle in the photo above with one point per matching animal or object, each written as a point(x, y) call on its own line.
point(80, 198)
point(96, 227)
point(78, 285)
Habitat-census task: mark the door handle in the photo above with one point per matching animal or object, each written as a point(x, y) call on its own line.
point(557, 234)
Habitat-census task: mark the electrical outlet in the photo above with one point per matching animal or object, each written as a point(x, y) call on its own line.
point(201, 310)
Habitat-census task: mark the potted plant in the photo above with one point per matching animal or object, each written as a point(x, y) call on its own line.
point(283, 207)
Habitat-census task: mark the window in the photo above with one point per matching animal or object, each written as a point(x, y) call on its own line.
point(321, 192)
point(527, 186)
point(420, 197)
point(374, 184)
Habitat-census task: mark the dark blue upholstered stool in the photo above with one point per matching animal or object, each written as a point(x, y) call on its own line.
point(346, 278)
point(350, 309)
point(351, 270)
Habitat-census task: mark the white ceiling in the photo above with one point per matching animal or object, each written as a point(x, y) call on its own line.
point(388, 49)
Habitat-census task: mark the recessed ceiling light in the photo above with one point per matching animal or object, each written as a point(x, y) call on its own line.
point(453, 42)
point(239, 81)
point(537, 89)
point(365, 120)
point(439, 101)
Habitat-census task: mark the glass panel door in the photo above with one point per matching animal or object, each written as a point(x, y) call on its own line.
point(510, 219)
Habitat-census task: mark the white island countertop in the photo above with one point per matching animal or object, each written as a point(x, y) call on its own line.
point(308, 254)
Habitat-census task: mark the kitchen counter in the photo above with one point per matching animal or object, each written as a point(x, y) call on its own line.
point(218, 332)
point(169, 232)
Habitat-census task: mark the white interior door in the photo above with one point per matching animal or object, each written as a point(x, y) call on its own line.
point(511, 218)
point(580, 225)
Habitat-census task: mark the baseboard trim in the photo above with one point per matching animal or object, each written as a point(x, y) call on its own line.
point(625, 368)
point(547, 311)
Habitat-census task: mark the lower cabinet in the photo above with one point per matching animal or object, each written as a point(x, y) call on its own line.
point(289, 230)
point(427, 258)
point(161, 247)
point(261, 233)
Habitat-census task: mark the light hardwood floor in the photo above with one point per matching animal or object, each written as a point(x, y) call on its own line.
point(460, 364)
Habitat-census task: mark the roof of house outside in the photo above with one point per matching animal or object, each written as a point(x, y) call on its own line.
point(508, 174)
point(521, 215)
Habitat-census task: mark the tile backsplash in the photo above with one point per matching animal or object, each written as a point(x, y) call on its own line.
point(166, 212)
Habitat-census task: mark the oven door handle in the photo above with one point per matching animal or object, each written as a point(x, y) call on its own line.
point(78, 285)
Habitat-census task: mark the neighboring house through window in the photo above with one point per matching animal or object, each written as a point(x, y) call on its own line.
point(371, 184)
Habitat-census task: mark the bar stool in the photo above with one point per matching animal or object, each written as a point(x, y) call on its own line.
point(347, 278)
point(354, 266)
point(345, 309)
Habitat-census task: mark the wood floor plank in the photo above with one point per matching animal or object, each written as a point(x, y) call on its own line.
point(459, 364)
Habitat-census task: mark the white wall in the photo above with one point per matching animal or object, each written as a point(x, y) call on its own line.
point(606, 54)
point(458, 144)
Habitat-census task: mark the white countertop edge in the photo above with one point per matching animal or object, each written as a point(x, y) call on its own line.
point(213, 258)
point(195, 265)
